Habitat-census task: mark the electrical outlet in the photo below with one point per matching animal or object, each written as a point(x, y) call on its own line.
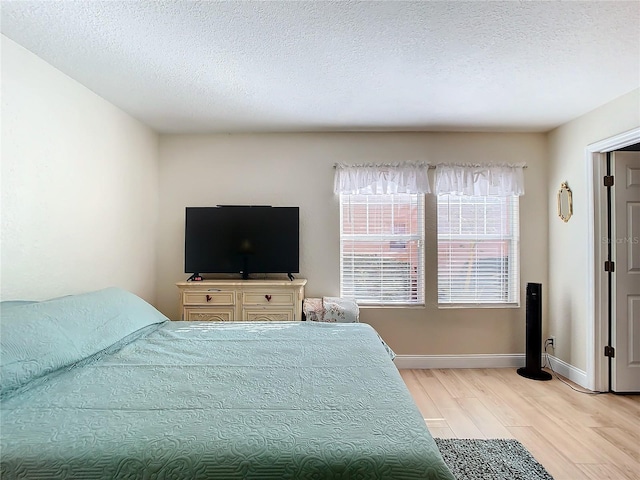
point(552, 341)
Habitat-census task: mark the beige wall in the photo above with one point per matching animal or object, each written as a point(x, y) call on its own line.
point(296, 170)
point(568, 256)
point(79, 187)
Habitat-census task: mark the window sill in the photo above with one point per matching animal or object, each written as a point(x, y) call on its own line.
point(393, 305)
point(448, 306)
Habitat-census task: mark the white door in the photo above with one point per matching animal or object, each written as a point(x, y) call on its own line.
point(625, 373)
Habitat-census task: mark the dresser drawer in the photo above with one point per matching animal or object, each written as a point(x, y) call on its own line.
point(209, 298)
point(229, 300)
point(268, 298)
point(257, 314)
point(219, 314)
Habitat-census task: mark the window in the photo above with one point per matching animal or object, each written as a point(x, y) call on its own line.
point(478, 245)
point(382, 248)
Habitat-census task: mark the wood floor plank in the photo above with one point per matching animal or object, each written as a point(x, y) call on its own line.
point(440, 432)
point(452, 383)
point(567, 439)
point(619, 449)
point(461, 424)
point(596, 471)
point(521, 385)
point(424, 402)
point(523, 413)
point(558, 465)
point(482, 417)
point(627, 441)
point(436, 392)
point(575, 436)
point(583, 444)
point(559, 406)
point(472, 380)
point(504, 412)
point(436, 422)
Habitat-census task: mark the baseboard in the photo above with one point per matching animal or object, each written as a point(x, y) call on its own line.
point(497, 360)
point(493, 360)
point(568, 371)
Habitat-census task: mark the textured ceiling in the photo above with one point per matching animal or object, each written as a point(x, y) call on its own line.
point(187, 66)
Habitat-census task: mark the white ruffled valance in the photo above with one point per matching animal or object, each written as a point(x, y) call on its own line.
point(381, 179)
point(479, 180)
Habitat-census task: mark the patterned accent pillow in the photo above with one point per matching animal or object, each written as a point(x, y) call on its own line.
point(312, 309)
point(343, 310)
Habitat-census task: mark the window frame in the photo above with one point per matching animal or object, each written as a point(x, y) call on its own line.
point(417, 199)
point(513, 259)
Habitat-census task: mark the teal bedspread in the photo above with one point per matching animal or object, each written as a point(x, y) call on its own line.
point(206, 400)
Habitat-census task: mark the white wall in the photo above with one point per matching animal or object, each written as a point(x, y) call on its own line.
point(297, 170)
point(568, 256)
point(79, 187)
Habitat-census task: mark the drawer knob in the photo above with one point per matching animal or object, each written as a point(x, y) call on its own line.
point(208, 298)
point(268, 297)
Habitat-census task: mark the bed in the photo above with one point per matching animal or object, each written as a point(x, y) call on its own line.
point(101, 385)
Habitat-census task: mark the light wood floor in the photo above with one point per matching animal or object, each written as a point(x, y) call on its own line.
point(573, 435)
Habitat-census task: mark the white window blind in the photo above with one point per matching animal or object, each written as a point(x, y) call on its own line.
point(382, 248)
point(478, 250)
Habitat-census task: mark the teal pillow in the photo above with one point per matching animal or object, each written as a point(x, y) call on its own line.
point(15, 303)
point(37, 338)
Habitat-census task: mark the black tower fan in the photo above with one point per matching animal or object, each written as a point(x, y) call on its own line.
point(533, 355)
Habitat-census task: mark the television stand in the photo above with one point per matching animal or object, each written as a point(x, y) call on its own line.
point(242, 300)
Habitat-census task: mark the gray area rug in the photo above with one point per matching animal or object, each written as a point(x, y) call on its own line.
point(490, 460)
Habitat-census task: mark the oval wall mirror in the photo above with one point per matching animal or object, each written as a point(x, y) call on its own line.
point(565, 202)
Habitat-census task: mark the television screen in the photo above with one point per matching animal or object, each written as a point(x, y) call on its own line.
point(241, 239)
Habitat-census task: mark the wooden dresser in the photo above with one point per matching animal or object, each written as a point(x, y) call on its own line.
point(242, 300)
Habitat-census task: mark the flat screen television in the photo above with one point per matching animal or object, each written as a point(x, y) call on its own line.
point(242, 239)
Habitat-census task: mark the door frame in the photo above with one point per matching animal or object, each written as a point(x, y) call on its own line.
point(597, 287)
